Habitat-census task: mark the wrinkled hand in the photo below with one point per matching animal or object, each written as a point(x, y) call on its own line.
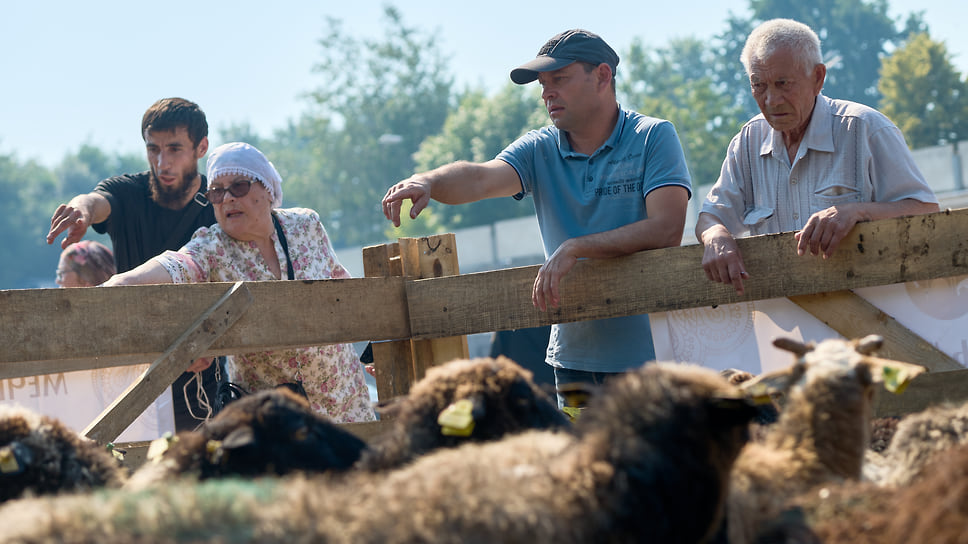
point(722, 261)
point(200, 364)
point(825, 230)
point(546, 285)
point(67, 218)
point(414, 188)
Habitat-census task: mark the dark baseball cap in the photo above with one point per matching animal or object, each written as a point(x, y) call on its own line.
point(564, 49)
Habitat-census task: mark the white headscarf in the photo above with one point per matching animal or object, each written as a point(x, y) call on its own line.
point(239, 158)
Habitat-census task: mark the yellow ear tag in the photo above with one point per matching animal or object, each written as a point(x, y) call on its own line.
point(158, 447)
point(896, 380)
point(457, 419)
point(572, 412)
point(213, 450)
point(8, 461)
point(118, 454)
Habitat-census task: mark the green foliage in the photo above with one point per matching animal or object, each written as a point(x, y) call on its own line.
point(477, 131)
point(924, 94)
point(377, 101)
point(675, 83)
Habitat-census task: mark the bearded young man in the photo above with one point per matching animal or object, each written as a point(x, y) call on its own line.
point(153, 211)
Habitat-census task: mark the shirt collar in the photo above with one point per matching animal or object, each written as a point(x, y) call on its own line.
point(564, 146)
point(819, 133)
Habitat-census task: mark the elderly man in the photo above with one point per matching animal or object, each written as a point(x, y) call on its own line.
point(807, 163)
point(605, 182)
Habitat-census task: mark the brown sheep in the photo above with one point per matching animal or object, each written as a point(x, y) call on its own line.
point(931, 510)
point(822, 433)
point(39, 455)
point(648, 461)
point(496, 395)
point(918, 438)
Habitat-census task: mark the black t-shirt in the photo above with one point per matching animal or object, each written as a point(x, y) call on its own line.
point(139, 227)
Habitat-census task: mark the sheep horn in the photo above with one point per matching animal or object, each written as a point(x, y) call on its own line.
point(793, 346)
point(761, 387)
point(869, 344)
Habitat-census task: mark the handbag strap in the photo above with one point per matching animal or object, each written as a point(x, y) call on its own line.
point(195, 207)
point(285, 245)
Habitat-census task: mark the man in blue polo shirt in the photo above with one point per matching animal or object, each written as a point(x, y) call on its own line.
point(605, 182)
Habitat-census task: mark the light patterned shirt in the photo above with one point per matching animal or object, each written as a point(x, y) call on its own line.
point(332, 375)
point(849, 153)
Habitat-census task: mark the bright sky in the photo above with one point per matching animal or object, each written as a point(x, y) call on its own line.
point(84, 72)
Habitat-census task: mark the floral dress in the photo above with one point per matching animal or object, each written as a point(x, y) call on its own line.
point(332, 375)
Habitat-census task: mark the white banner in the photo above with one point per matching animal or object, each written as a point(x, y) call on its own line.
point(78, 398)
point(741, 335)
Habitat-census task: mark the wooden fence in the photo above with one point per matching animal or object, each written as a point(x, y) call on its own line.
point(416, 308)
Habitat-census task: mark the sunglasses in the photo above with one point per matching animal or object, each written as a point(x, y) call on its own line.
point(239, 188)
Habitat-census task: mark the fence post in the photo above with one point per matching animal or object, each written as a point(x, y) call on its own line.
point(393, 360)
point(432, 257)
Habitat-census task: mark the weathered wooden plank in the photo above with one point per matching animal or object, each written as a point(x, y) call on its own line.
point(55, 330)
point(853, 317)
point(432, 257)
point(877, 253)
point(930, 389)
point(163, 372)
point(59, 330)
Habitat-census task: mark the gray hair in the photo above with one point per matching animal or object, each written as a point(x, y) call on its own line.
point(777, 34)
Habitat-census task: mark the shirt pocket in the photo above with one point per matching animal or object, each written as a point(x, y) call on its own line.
point(755, 216)
point(834, 194)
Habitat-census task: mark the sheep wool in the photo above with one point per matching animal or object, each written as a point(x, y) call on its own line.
point(649, 461)
point(492, 397)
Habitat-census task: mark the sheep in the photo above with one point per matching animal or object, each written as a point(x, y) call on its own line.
point(822, 433)
point(768, 412)
point(273, 431)
point(648, 461)
point(39, 455)
point(931, 509)
point(465, 400)
point(918, 438)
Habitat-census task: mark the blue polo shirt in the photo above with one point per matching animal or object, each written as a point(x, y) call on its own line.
point(576, 194)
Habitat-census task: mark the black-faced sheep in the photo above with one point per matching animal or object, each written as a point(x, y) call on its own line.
point(468, 400)
point(273, 431)
point(39, 455)
point(822, 433)
point(648, 461)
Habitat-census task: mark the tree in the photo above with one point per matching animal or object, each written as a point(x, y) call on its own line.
point(924, 94)
point(477, 131)
point(378, 100)
point(27, 193)
point(676, 83)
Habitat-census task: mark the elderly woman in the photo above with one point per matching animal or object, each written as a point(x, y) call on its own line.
point(256, 240)
point(85, 264)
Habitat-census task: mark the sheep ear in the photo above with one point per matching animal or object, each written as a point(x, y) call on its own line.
point(239, 438)
point(869, 344)
point(793, 346)
point(762, 387)
point(736, 376)
point(895, 375)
